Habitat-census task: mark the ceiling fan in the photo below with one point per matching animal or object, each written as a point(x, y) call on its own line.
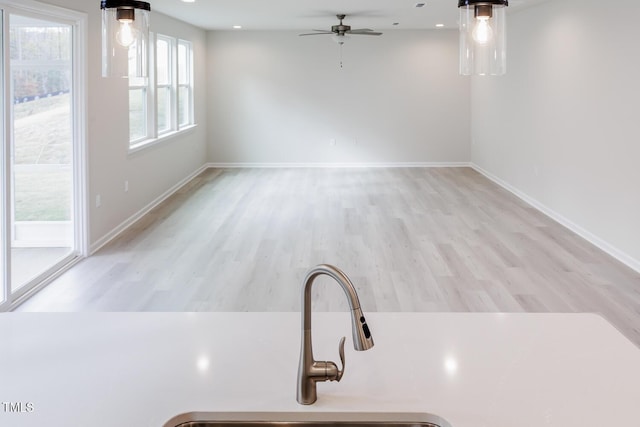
point(341, 31)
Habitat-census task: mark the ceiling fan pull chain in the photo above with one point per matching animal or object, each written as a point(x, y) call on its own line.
point(340, 47)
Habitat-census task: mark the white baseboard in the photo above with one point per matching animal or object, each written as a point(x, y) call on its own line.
point(341, 165)
point(97, 245)
point(585, 234)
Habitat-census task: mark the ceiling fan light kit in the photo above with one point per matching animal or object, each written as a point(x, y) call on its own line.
point(483, 44)
point(125, 38)
point(341, 38)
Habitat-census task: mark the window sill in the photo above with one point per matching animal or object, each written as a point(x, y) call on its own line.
point(152, 142)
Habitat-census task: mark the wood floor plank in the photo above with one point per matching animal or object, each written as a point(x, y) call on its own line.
point(411, 239)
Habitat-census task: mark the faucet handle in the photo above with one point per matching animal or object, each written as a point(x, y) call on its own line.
point(341, 352)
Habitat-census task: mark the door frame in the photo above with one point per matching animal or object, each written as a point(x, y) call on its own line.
point(79, 24)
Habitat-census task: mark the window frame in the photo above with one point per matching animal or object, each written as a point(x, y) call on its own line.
point(187, 85)
point(146, 102)
point(153, 134)
point(170, 85)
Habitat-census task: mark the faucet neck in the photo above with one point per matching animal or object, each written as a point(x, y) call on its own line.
point(338, 276)
point(362, 339)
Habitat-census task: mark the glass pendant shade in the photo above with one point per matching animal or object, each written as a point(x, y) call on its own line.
point(341, 38)
point(483, 44)
point(125, 38)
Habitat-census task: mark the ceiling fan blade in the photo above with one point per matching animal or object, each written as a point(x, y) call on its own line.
point(316, 34)
point(364, 33)
point(361, 30)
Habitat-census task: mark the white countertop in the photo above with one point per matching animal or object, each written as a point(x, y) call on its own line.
point(474, 370)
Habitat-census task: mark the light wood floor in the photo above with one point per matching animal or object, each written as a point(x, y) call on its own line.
point(411, 240)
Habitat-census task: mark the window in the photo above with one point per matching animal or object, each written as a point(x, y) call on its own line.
point(164, 84)
point(163, 104)
point(138, 104)
point(138, 129)
point(185, 93)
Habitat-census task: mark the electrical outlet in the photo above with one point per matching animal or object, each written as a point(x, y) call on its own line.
point(98, 201)
point(126, 186)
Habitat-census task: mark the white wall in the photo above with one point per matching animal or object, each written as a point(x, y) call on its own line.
point(150, 172)
point(562, 127)
point(279, 98)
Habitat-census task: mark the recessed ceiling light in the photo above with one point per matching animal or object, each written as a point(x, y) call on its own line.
point(420, 4)
point(396, 23)
point(237, 27)
point(439, 25)
point(189, 1)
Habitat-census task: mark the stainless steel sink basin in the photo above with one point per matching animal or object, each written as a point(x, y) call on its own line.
point(306, 419)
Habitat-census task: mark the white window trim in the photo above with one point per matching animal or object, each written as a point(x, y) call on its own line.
point(154, 137)
point(148, 99)
point(171, 86)
point(165, 137)
point(189, 85)
point(147, 93)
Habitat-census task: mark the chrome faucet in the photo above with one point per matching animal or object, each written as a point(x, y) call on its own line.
point(311, 371)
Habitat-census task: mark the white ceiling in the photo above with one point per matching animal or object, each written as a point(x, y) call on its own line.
point(317, 14)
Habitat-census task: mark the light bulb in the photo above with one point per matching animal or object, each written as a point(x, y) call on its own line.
point(340, 38)
point(482, 33)
point(127, 34)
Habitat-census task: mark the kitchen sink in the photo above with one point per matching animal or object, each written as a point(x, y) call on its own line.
point(306, 419)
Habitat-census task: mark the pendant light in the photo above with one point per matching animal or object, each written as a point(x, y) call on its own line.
point(483, 46)
point(125, 38)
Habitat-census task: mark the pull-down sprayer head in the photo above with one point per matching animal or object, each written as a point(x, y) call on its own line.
point(362, 339)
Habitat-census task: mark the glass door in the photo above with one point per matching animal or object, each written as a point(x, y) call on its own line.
point(4, 281)
point(40, 63)
point(43, 162)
